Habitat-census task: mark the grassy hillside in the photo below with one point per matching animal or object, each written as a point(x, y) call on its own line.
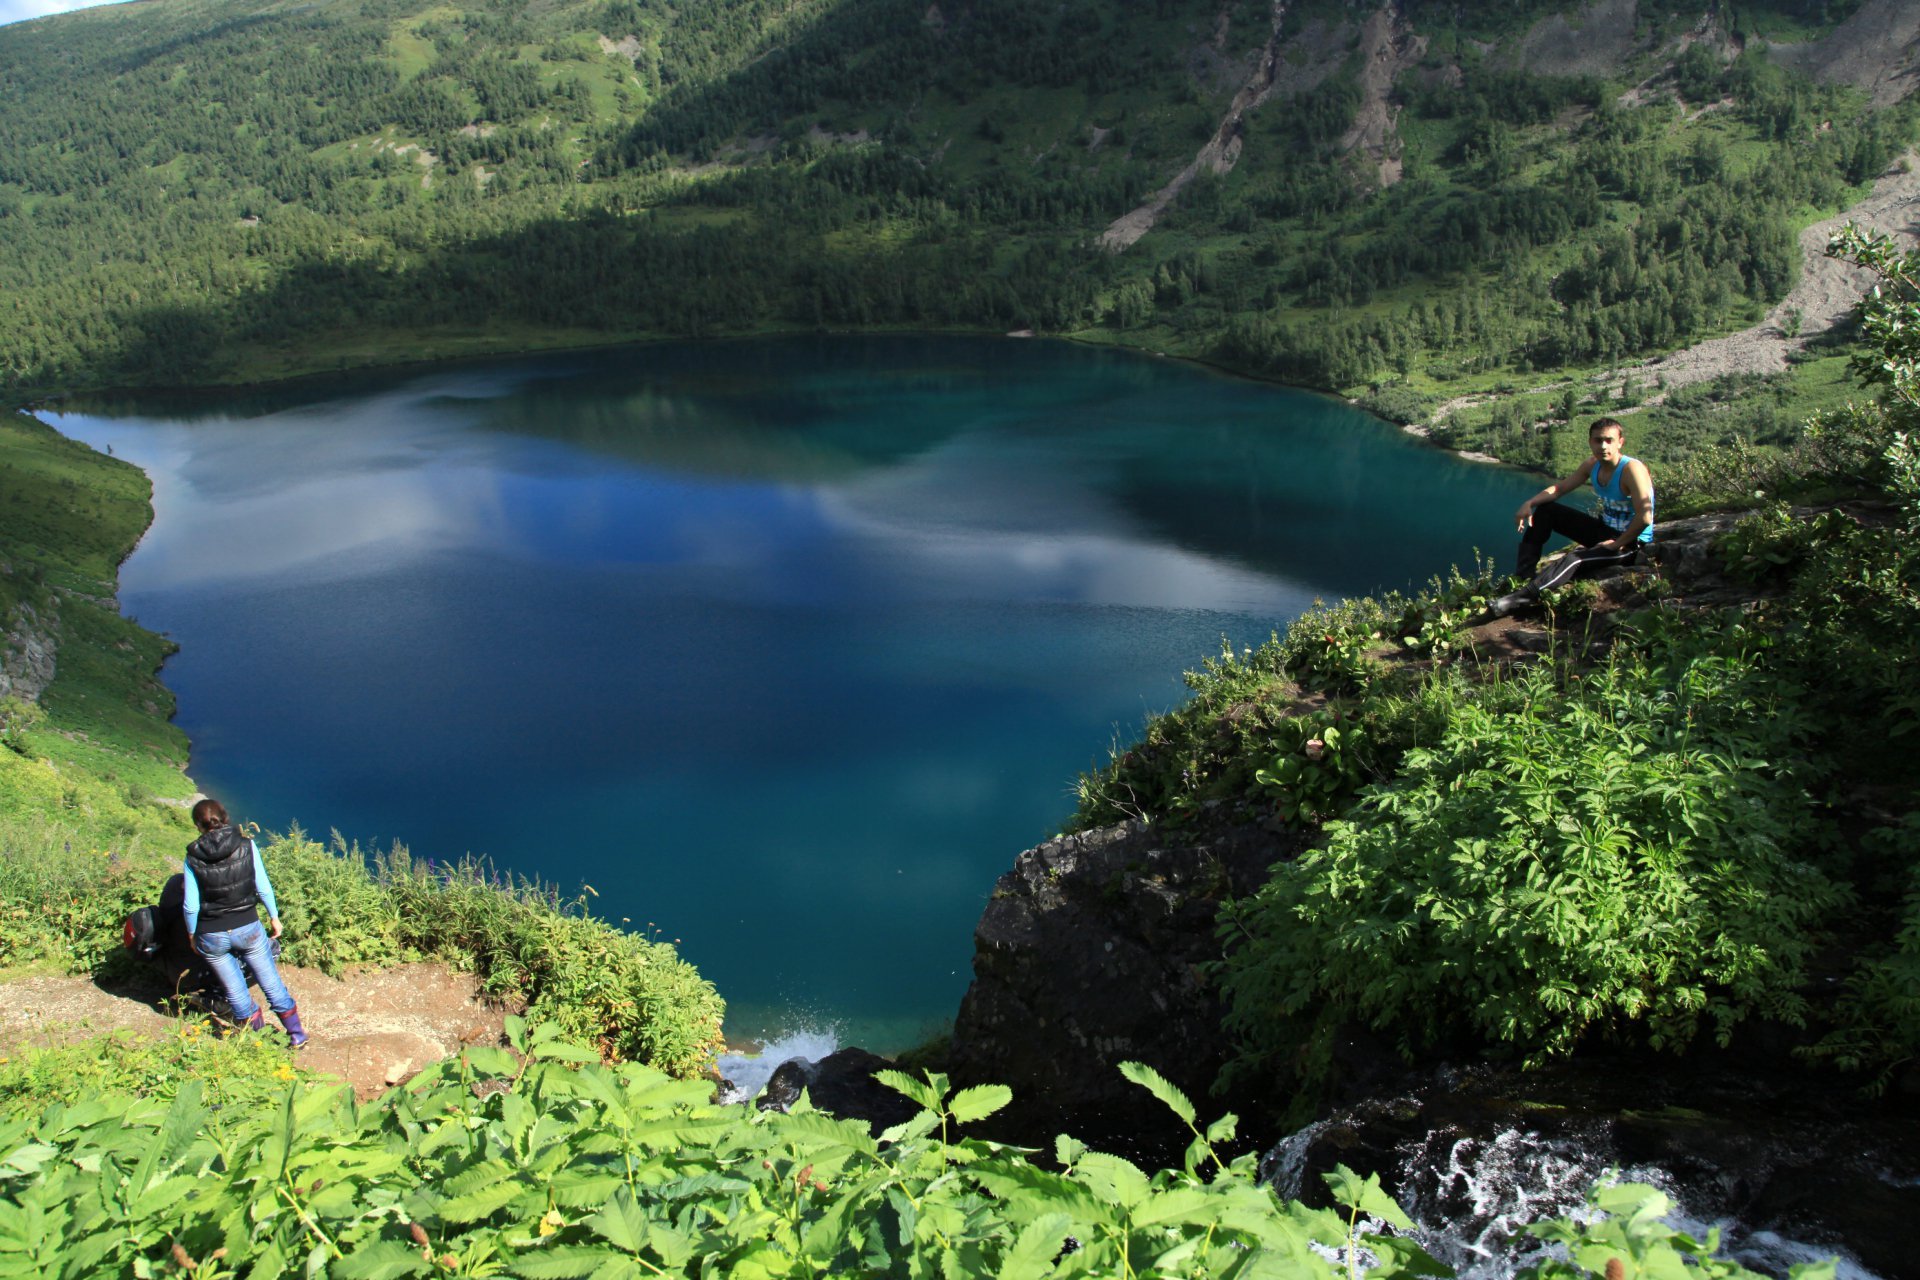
point(265, 190)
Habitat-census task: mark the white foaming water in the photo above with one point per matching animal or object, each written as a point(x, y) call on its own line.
point(749, 1073)
point(1473, 1198)
point(1286, 1165)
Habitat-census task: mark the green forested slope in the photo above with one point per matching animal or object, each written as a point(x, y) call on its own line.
point(198, 190)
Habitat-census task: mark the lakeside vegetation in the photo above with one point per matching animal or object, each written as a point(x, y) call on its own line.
point(1675, 823)
point(542, 1162)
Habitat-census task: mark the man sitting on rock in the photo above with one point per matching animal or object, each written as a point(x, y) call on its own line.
point(1614, 537)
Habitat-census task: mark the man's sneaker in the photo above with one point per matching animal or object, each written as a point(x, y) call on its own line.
point(1511, 604)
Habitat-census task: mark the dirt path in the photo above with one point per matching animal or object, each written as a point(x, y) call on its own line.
point(373, 1029)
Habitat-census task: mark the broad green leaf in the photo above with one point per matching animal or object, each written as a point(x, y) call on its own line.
point(163, 1195)
point(561, 1051)
point(489, 1060)
point(28, 1159)
point(483, 1203)
point(762, 1263)
point(563, 1262)
point(379, 1260)
point(1400, 1256)
point(1175, 1206)
point(908, 1216)
point(621, 1223)
point(1364, 1194)
point(979, 1102)
point(1033, 1252)
point(917, 1090)
point(1113, 1179)
point(853, 1134)
point(583, 1185)
point(918, 1127)
point(1159, 1086)
point(475, 1177)
point(1629, 1199)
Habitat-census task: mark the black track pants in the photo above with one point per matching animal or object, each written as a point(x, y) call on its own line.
point(1584, 529)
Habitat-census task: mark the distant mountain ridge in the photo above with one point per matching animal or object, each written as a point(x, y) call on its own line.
point(1413, 195)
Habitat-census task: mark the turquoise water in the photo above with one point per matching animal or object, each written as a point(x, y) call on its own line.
point(786, 647)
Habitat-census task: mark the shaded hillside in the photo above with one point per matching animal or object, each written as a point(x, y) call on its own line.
point(200, 190)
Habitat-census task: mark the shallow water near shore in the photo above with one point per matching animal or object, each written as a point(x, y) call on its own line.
point(786, 647)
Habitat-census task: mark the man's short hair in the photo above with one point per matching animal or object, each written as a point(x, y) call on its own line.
point(1601, 424)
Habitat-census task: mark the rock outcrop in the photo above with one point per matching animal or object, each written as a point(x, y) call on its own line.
point(1092, 952)
point(1093, 949)
point(27, 648)
point(1733, 1141)
point(840, 1084)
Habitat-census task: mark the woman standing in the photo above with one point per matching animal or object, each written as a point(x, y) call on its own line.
point(225, 884)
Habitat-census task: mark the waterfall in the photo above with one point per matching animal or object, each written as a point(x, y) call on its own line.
point(1473, 1196)
point(747, 1073)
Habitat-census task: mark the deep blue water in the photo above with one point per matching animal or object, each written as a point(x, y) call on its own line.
point(785, 646)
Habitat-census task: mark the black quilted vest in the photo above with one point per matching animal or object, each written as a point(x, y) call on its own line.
point(222, 863)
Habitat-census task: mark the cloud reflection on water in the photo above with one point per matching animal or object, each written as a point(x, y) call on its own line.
point(803, 639)
point(314, 495)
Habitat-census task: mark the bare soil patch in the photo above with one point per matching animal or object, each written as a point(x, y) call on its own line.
point(374, 1029)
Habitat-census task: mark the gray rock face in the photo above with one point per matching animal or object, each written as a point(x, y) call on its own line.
point(1683, 550)
point(26, 655)
point(1089, 955)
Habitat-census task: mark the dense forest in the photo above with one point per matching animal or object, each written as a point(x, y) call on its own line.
point(201, 191)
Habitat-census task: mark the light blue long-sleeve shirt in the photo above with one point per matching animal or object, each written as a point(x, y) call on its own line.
point(262, 887)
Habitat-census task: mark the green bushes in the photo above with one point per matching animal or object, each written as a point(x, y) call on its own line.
point(65, 884)
point(541, 1162)
point(632, 996)
point(1574, 852)
point(64, 894)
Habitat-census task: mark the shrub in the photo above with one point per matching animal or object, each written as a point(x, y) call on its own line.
point(633, 996)
point(1613, 849)
point(62, 902)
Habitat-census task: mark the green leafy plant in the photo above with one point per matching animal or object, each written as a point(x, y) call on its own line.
point(1628, 1238)
point(1320, 764)
point(542, 1162)
point(1613, 849)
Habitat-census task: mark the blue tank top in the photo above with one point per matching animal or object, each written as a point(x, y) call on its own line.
point(1616, 506)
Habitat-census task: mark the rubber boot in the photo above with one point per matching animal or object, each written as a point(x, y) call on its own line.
point(258, 1022)
point(296, 1034)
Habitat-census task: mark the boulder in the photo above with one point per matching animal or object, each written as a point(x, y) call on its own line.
point(1473, 1153)
point(840, 1084)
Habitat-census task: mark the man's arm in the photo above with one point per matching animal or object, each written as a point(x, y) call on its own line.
point(1637, 484)
point(1559, 487)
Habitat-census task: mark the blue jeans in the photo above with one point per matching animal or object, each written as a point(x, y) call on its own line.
point(224, 949)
